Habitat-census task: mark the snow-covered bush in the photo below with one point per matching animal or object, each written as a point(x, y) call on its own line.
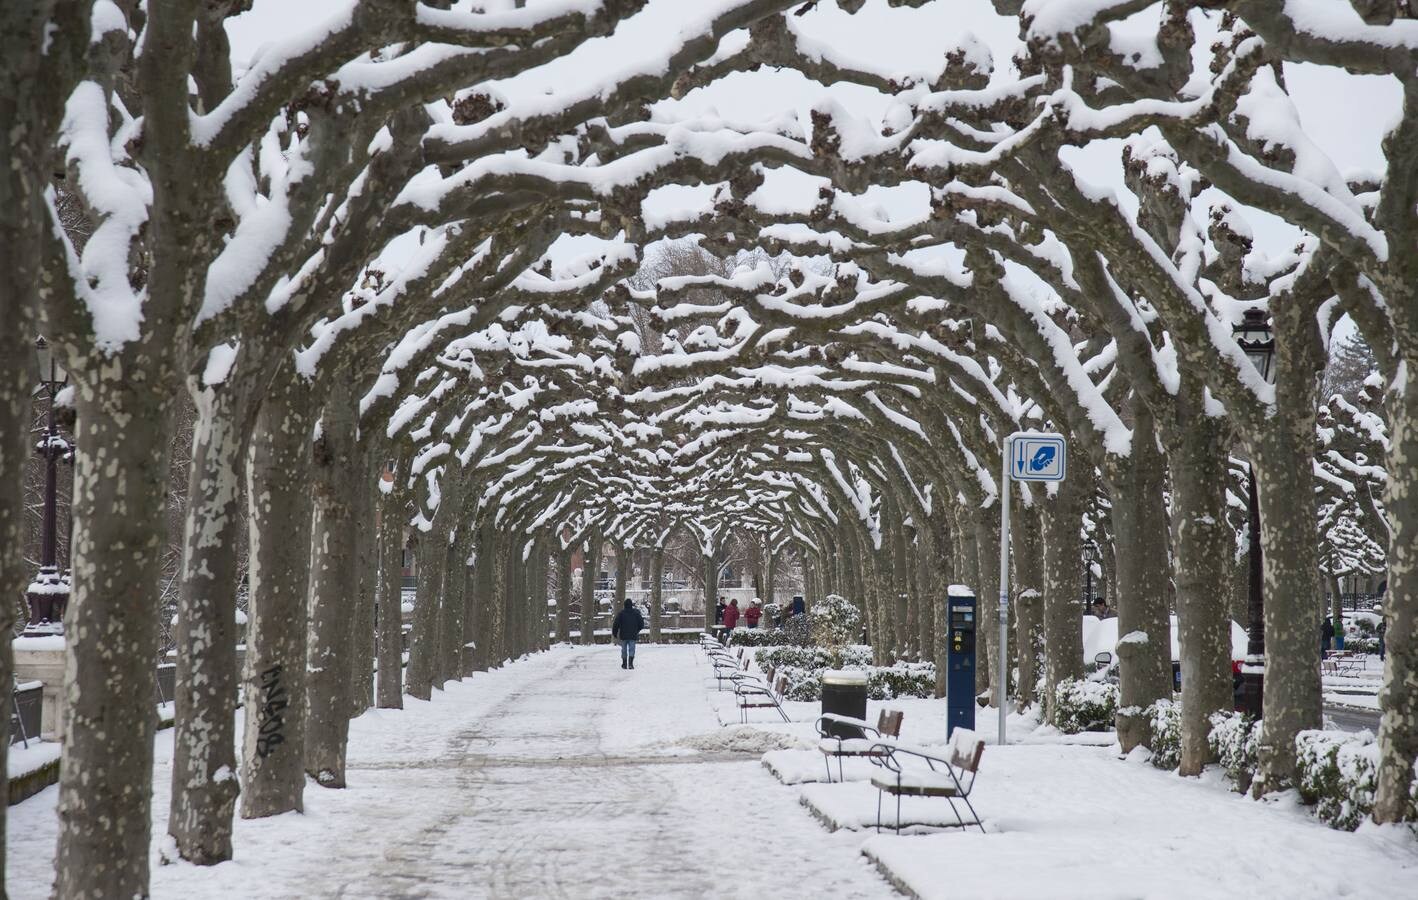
point(1339, 773)
point(795, 631)
point(1085, 705)
point(757, 637)
point(901, 680)
point(1362, 644)
point(1166, 719)
point(1235, 741)
point(856, 656)
point(834, 622)
point(883, 682)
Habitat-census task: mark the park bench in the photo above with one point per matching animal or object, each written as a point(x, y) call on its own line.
point(752, 694)
point(914, 772)
point(726, 666)
point(1343, 662)
point(833, 744)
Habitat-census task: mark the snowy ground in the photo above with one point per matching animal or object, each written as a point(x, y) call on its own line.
point(565, 776)
point(558, 776)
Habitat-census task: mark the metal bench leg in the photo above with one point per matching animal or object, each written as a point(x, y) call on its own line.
point(898, 813)
point(878, 812)
point(840, 777)
point(970, 806)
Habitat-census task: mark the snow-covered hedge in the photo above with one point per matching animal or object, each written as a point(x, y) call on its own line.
point(883, 682)
point(1085, 705)
point(1235, 741)
point(856, 656)
point(901, 680)
point(1166, 719)
point(757, 637)
point(1339, 773)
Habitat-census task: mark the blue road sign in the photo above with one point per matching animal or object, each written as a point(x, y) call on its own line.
point(1038, 457)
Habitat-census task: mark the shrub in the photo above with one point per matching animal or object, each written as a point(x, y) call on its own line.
point(901, 680)
point(1235, 740)
point(1362, 644)
point(1339, 773)
point(757, 637)
point(1085, 705)
point(1166, 718)
point(834, 622)
point(857, 656)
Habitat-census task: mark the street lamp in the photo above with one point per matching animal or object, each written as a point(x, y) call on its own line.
point(48, 594)
point(1257, 340)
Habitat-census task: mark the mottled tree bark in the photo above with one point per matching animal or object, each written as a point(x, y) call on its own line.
point(1059, 518)
point(390, 643)
point(42, 45)
point(333, 581)
point(1398, 732)
point(204, 785)
point(657, 577)
point(1144, 628)
point(366, 558)
point(563, 598)
point(432, 551)
point(590, 562)
point(120, 493)
point(455, 585)
point(986, 524)
point(1028, 572)
point(273, 683)
point(1203, 542)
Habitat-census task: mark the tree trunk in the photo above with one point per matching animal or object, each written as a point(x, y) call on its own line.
point(432, 553)
point(273, 683)
point(366, 553)
point(657, 577)
point(1292, 698)
point(711, 589)
point(338, 471)
point(1204, 547)
point(1060, 517)
point(15, 386)
point(987, 524)
point(497, 604)
point(622, 579)
point(1027, 558)
point(1144, 627)
point(204, 785)
point(484, 582)
point(1398, 732)
point(119, 509)
point(770, 590)
point(455, 585)
point(563, 599)
point(390, 643)
point(590, 561)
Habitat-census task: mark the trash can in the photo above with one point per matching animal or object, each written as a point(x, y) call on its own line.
point(844, 693)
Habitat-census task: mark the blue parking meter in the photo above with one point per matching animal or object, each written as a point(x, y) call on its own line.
point(960, 659)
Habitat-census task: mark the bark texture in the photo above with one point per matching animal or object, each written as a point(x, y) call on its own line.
point(333, 582)
point(273, 683)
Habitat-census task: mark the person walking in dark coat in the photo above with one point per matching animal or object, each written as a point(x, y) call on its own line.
point(626, 628)
point(1326, 635)
point(731, 618)
point(798, 607)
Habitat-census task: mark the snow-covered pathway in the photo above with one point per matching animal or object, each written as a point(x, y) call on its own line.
point(558, 776)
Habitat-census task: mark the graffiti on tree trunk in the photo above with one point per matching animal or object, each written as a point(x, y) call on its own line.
point(271, 725)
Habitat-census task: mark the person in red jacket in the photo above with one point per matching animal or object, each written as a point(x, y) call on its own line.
point(731, 618)
point(753, 613)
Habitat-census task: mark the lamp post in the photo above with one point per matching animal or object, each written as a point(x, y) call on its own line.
point(1258, 342)
point(48, 594)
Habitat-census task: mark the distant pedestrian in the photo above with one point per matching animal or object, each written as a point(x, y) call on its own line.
point(719, 613)
point(754, 613)
point(1383, 632)
point(1100, 609)
point(799, 605)
point(731, 619)
point(1326, 635)
point(627, 627)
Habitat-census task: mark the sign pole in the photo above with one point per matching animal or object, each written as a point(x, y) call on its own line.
point(1002, 676)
